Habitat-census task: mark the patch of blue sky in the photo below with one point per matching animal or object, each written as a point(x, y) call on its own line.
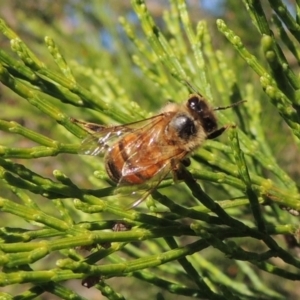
point(214, 7)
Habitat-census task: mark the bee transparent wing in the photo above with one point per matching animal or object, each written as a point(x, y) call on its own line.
point(148, 140)
point(138, 193)
point(99, 142)
point(168, 163)
point(147, 150)
point(146, 161)
point(101, 137)
point(168, 157)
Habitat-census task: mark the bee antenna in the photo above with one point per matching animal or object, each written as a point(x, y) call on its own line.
point(191, 87)
point(229, 106)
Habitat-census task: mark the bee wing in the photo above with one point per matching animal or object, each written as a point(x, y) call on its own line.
point(167, 164)
point(143, 159)
point(101, 137)
point(140, 195)
point(148, 134)
point(147, 149)
point(166, 160)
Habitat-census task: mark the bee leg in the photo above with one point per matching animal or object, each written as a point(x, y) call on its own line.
point(186, 162)
point(177, 168)
point(217, 132)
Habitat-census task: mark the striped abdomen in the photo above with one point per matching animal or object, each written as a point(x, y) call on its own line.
point(134, 159)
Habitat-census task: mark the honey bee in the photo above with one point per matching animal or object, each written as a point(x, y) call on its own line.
point(147, 151)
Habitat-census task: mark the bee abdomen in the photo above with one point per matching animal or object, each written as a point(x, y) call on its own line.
point(115, 161)
point(113, 172)
point(135, 172)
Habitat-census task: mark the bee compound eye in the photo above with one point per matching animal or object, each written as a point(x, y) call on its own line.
point(196, 104)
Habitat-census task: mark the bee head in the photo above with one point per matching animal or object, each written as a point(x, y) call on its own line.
point(201, 111)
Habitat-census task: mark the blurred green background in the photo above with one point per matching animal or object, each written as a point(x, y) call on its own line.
point(106, 62)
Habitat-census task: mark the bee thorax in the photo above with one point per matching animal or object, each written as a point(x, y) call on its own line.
point(183, 126)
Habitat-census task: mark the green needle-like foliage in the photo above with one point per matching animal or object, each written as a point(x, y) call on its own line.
point(228, 229)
